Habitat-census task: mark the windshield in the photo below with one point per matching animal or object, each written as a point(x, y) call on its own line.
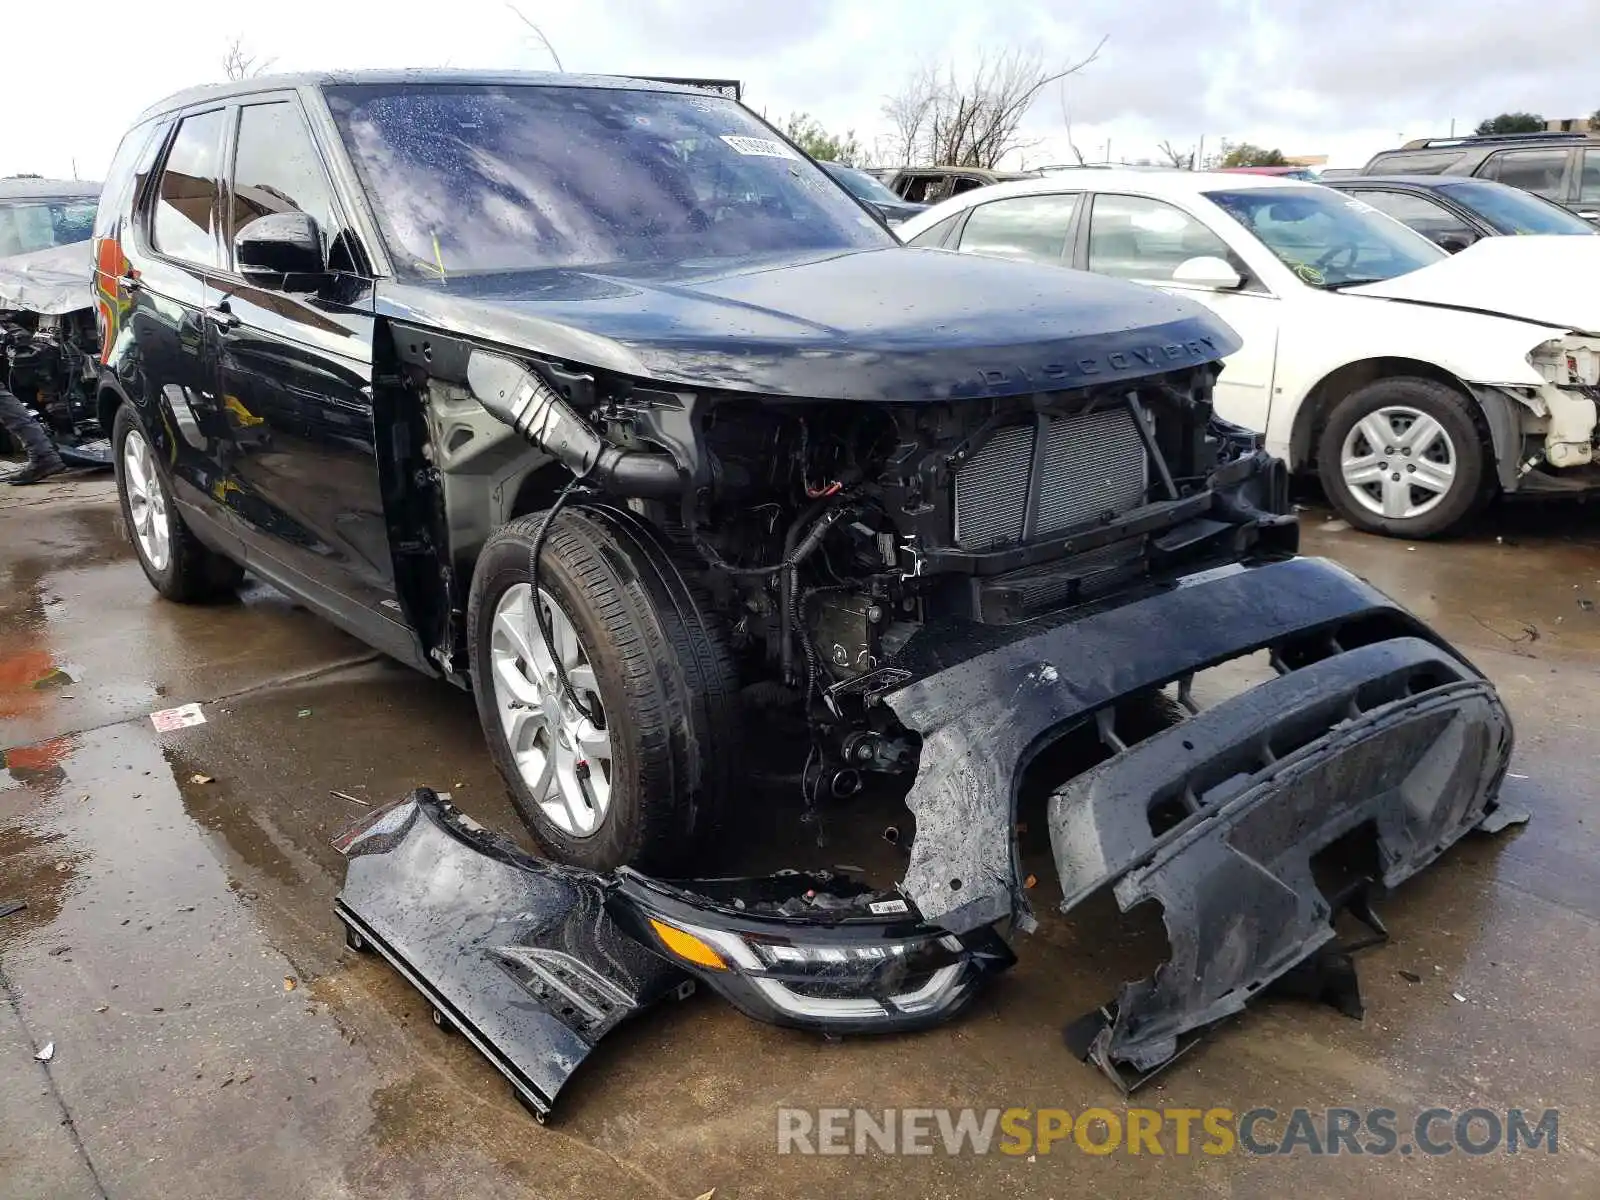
point(1326, 238)
point(38, 224)
point(862, 185)
point(470, 179)
point(1511, 210)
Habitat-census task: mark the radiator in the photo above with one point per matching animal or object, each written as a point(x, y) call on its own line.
point(1091, 466)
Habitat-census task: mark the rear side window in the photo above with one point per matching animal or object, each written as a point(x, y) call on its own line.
point(1414, 162)
point(1032, 228)
point(128, 168)
point(276, 168)
point(185, 220)
point(1425, 216)
point(1536, 171)
point(1589, 188)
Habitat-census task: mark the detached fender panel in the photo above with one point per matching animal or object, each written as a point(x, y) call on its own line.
point(984, 718)
point(516, 952)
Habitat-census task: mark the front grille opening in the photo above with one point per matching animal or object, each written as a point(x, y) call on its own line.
point(1050, 475)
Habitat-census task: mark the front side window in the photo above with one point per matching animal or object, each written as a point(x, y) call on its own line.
point(1326, 238)
point(468, 179)
point(1536, 171)
point(1134, 237)
point(1428, 218)
point(1032, 228)
point(276, 168)
point(186, 200)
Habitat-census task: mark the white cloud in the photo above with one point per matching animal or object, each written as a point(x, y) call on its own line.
point(1304, 75)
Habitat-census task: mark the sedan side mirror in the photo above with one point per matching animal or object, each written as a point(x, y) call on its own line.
point(1209, 272)
point(1455, 243)
point(281, 243)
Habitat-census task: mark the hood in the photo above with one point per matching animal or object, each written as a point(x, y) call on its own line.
point(899, 324)
point(1549, 280)
point(49, 282)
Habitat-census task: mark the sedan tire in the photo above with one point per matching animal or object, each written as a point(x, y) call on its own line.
point(1405, 457)
point(632, 768)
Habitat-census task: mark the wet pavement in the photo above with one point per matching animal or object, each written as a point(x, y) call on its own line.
point(212, 1036)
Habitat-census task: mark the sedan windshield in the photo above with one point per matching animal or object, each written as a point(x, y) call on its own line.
point(1328, 239)
point(861, 184)
point(1512, 210)
point(39, 224)
point(471, 179)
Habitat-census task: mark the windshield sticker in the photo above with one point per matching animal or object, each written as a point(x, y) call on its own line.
point(1310, 274)
point(758, 147)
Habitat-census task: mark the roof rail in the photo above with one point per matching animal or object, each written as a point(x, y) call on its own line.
point(1547, 135)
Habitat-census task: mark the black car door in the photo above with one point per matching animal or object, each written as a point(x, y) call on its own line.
point(295, 375)
point(173, 248)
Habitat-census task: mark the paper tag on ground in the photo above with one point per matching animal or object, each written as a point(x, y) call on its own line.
point(181, 717)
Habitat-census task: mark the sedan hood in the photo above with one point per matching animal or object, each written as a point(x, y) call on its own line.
point(1546, 280)
point(50, 282)
point(897, 324)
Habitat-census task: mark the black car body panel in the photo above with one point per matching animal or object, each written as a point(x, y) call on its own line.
point(516, 953)
point(1398, 740)
point(896, 325)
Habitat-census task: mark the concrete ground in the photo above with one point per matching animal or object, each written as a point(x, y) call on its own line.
point(212, 1036)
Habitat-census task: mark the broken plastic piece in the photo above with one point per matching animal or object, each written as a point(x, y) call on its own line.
point(46, 1053)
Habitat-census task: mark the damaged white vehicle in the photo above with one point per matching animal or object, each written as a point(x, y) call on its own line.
point(1416, 383)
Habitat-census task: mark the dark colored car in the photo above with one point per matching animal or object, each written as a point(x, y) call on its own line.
point(929, 185)
point(598, 398)
point(870, 190)
point(1561, 167)
point(47, 324)
point(1455, 211)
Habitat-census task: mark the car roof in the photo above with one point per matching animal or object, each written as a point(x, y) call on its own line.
point(30, 189)
point(1431, 182)
point(1149, 182)
point(430, 75)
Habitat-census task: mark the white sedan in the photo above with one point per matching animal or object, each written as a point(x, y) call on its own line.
point(1416, 383)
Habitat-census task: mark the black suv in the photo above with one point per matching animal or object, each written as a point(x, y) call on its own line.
point(600, 398)
point(1564, 167)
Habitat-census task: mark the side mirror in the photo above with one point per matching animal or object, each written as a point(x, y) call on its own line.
point(281, 243)
point(1455, 243)
point(1209, 272)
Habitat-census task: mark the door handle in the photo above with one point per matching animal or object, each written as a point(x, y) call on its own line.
point(222, 317)
point(129, 282)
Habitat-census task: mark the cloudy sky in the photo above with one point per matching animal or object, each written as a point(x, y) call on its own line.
point(1340, 77)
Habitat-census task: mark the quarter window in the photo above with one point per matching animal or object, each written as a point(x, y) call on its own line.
point(185, 225)
point(1033, 228)
point(1134, 237)
point(277, 169)
point(1427, 218)
point(1536, 171)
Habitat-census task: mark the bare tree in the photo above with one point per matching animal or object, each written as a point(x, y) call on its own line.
point(1066, 119)
point(1182, 159)
point(539, 33)
point(238, 64)
point(943, 118)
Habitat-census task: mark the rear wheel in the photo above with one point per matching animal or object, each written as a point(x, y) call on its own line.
point(1405, 457)
point(634, 766)
point(177, 564)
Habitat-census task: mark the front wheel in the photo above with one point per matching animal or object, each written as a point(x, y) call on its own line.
point(633, 764)
point(1405, 457)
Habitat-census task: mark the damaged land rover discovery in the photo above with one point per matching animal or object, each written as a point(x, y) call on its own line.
point(597, 397)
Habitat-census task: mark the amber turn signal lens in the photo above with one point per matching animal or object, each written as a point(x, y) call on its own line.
point(687, 947)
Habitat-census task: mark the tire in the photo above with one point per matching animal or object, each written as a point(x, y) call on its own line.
point(662, 673)
point(189, 572)
point(1454, 458)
